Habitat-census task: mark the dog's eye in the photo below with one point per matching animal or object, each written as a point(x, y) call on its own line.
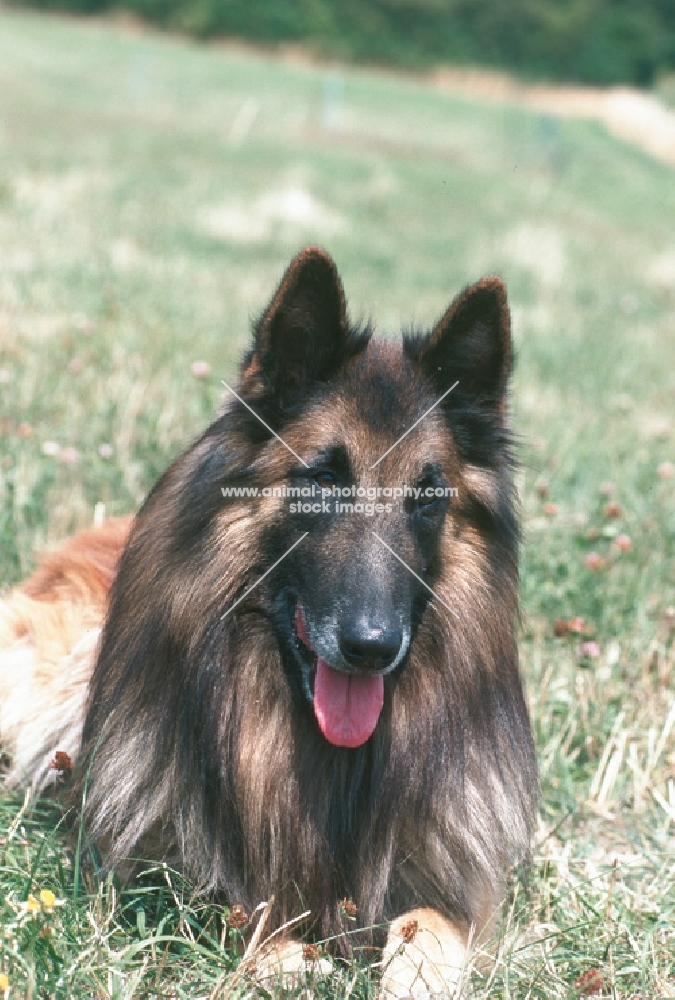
point(426, 499)
point(324, 478)
point(432, 494)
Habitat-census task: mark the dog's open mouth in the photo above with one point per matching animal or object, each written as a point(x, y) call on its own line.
point(346, 706)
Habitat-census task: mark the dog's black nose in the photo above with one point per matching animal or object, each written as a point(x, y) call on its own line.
point(368, 646)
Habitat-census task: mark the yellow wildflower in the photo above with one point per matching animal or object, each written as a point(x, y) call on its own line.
point(48, 899)
point(32, 904)
point(4, 982)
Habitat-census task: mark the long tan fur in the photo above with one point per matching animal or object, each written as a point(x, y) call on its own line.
point(49, 632)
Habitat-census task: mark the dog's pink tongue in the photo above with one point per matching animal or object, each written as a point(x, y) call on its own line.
point(346, 706)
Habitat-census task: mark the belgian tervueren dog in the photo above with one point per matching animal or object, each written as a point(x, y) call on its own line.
point(294, 673)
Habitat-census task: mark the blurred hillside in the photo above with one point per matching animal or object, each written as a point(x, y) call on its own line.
point(589, 41)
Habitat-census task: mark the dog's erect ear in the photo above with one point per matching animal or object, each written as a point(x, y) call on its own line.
point(471, 345)
point(303, 335)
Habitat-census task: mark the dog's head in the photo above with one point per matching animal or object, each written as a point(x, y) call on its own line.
point(389, 480)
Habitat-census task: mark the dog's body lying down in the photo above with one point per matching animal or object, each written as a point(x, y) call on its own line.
point(307, 700)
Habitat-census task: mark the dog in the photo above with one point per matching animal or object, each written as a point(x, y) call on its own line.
point(294, 672)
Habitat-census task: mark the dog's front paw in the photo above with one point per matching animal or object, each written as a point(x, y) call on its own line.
point(289, 963)
point(425, 957)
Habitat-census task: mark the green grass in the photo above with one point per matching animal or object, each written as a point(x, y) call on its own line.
point(151, 192)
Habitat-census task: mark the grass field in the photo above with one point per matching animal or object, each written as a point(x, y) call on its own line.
point(151, 192)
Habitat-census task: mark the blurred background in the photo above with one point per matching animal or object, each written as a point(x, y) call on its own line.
point(594, 41)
